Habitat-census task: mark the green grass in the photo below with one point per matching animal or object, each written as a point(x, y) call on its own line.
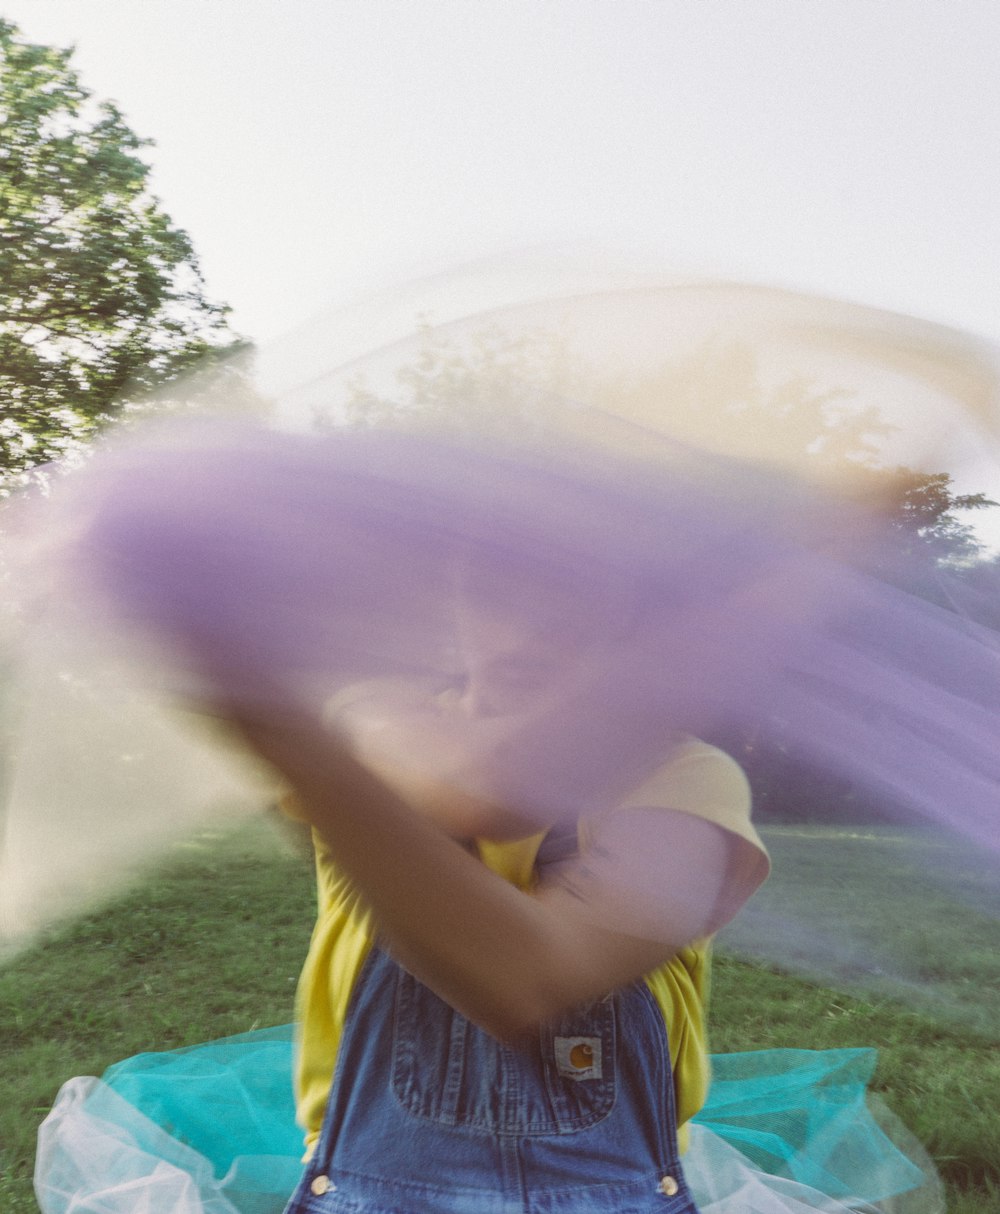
point(907, 916)
point(212, 944)
point(209, 947)
point(899, 934)
point(941, 1081)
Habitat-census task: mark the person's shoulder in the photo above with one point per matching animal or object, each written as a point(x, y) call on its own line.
point(697, 778)
point(700, 779)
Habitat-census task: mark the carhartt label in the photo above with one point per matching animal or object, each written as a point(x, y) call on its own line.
point(578, 1057)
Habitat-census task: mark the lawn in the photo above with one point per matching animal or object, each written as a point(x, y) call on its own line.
point(899, 933)
point(211, 946)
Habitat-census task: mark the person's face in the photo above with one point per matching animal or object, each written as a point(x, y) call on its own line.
point(517, 650)
point(522, 648)
point(509, 665)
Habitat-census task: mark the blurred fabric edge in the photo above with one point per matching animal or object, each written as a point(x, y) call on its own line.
point(595, 346)
point(101, 776)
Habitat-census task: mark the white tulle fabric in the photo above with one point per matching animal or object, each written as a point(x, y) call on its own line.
point(125, 1164)
point(89, 1165)
point(724, 1181)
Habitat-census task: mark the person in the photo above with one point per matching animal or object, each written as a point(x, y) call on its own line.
point(520, 866)
point(495, 1017)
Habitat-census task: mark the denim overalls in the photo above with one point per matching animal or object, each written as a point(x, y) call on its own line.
point(428, 1114)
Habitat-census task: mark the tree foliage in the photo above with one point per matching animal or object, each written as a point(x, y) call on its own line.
point(101, 297)
point(505, 383)
point(925, 517)
point(490, 382)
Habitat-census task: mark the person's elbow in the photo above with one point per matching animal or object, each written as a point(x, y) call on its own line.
point(514, 1008)
point(583, 962)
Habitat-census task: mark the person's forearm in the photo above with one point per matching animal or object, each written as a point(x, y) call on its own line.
point(462, 930)
point(489, 950)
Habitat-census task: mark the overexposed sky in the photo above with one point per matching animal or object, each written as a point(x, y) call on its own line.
point(315, 149)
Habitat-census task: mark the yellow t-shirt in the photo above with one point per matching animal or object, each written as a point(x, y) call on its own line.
point(697, 779)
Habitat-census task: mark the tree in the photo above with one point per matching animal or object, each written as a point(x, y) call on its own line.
point(506, 381)
point(101, 296)
point(925, 518)
point(923, 544)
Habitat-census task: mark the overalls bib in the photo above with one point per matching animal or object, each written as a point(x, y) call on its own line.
point(429, 1114)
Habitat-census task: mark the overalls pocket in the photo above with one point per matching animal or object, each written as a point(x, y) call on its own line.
point(449, 1071)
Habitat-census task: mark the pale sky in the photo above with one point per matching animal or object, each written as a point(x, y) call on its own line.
point(315, 149)
point(319, 150)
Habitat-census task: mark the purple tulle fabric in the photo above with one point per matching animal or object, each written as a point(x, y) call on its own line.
point(597, 488)
point(265, 563)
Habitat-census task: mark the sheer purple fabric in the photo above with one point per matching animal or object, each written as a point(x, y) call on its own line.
point(270, 564)
point(614, 517)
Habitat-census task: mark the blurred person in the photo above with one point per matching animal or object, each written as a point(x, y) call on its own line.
point(494, 1017)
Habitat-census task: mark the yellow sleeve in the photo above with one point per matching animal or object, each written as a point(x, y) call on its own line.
point(703, 781)
point(341, 940)
point(680, 988)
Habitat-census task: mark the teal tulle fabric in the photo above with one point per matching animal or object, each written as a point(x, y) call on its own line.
point(228, 1099)
point(223, 1114)
point(804, 1114)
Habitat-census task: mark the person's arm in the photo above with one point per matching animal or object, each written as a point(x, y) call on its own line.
point(506, 960)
